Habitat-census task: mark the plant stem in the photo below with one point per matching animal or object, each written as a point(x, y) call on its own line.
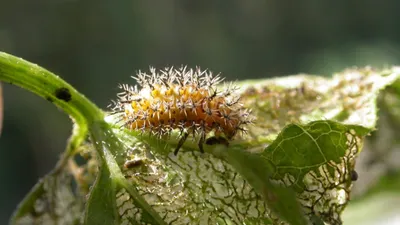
point(40, 81)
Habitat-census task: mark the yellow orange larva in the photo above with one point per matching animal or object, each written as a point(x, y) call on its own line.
point(181, 99)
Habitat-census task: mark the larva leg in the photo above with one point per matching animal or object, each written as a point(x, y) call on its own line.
point(217, 140)
point(201, 141)
point(181, 141)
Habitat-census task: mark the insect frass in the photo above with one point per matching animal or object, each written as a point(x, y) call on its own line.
point(181, 99)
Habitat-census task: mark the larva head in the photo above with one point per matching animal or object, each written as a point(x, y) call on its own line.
point(184, 99)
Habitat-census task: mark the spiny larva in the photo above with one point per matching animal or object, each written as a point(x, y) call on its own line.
point(182, 99)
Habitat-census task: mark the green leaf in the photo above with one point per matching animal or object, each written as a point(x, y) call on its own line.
point(101, 205)
point(53, 200)
point(301, 150)
point(378, 169)
point(111, 196)
point(316, 160)
point(258, 171)
point(302, 157)
point(348, 97)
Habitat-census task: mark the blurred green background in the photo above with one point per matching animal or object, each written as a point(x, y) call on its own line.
point(94, 45)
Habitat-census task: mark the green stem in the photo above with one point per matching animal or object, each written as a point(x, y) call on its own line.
point(40, 81)
point(87, 117)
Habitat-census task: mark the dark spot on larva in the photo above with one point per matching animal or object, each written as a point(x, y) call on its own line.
point(215, 124)
point(354, 175)
point(63, 94)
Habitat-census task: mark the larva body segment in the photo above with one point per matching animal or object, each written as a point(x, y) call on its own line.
point(181, 99)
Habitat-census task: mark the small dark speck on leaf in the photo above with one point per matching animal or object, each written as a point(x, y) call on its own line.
point(63, 94)
point(354, 175)
point(49, 99)
point(133, 163)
